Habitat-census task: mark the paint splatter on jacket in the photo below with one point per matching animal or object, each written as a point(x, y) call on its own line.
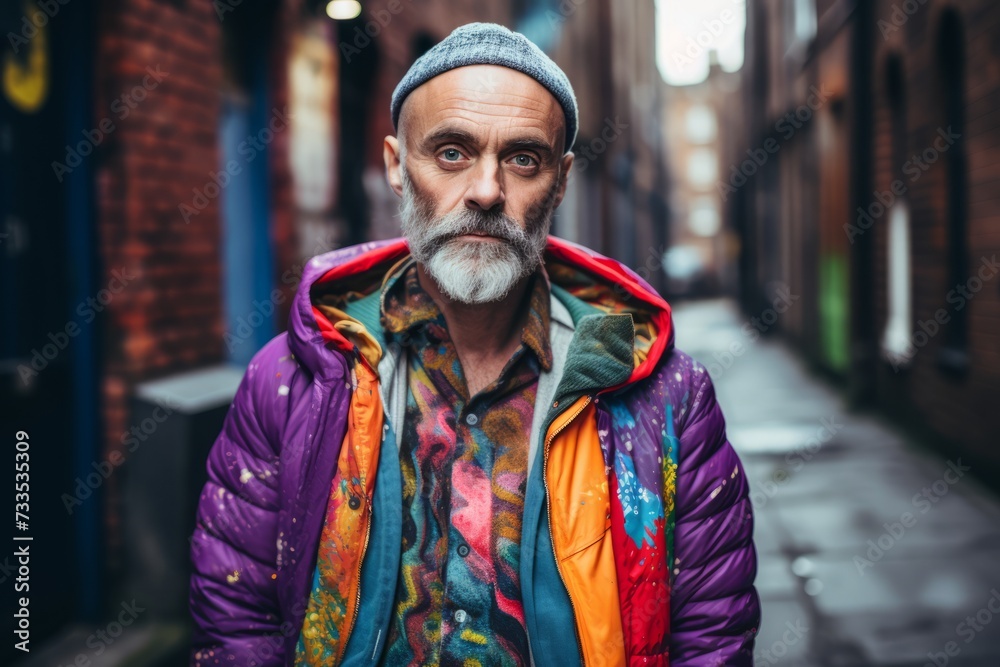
point(637, 537)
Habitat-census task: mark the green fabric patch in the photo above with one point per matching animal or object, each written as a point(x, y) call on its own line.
point(600, 354)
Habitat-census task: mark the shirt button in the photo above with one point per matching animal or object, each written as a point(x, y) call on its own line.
point(354, 503)
point(460, 616)
point(471, 419)
point(463, 550)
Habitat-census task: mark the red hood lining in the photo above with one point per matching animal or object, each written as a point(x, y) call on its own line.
point(608, 270)
point(611, 272)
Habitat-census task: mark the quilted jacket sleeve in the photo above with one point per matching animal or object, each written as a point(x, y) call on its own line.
point(715, 608)
point(233, 595)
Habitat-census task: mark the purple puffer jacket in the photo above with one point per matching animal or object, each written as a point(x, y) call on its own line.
point(256, 527)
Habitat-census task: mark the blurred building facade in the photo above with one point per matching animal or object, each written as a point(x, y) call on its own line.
point(700, 123)
point(865, 182)
point(616, 200)
point(185, 159)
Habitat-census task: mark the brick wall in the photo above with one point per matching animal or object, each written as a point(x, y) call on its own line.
point(955, 410)
point(961, 408)
point(283, 232)
point(169, 317)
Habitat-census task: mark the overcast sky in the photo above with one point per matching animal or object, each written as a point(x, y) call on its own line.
point(688, 29)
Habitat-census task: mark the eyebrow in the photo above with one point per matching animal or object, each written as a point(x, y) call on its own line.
point(539, 147)
point(447, 134)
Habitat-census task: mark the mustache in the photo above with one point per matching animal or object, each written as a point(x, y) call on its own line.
point(495, 224)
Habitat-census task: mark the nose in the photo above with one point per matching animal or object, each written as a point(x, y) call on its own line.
point(486, 189)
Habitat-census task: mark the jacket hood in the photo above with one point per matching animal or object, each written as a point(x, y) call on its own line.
point(335, 312)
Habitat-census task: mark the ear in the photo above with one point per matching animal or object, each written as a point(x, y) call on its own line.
point(390, 153)
point(565, 165)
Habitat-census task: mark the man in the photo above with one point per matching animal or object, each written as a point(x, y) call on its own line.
point(475, 445)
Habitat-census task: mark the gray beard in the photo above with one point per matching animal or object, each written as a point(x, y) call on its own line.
point(472, 272)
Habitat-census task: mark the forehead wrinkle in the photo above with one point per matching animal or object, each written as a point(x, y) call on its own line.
point(439, 116)
point(470, 114)
point(480, 96)
point(501, 107)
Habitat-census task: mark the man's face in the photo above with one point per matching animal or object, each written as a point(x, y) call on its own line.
point(481, 170)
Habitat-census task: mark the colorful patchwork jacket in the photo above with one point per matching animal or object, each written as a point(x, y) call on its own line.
point(636, 545)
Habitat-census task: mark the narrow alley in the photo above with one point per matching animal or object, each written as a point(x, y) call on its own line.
point(872, 551)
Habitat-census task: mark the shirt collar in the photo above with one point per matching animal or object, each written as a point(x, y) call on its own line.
point(407, 307)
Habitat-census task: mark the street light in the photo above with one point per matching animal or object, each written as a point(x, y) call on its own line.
point(342, 10)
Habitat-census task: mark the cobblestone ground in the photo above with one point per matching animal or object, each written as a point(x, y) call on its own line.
point(872, 551)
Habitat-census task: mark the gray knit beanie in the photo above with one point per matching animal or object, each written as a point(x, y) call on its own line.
point(490, 44)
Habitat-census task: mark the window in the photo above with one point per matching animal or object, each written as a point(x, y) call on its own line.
point(805, 20)
point(699, 124)
point(896, 337)
point(702, 167)
point(704, 219)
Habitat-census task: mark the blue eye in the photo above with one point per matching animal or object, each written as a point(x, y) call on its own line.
point(451, 154)
point(523, 160)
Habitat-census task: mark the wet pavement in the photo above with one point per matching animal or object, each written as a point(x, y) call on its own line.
point(872, 551)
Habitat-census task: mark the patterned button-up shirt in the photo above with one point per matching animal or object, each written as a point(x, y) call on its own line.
point(464, 463)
